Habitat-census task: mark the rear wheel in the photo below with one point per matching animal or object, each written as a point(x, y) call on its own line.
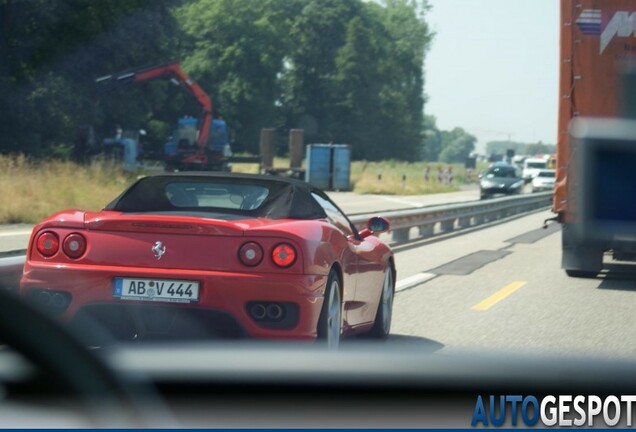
point(382, 325)
point(330, 320)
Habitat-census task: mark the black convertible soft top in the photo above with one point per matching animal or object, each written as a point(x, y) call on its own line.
point(225, 193)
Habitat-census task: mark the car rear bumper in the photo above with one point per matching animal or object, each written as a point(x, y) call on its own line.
point(224, 307)
point(499, 191)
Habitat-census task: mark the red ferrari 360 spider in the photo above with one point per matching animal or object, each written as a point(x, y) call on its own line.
point(200, 255)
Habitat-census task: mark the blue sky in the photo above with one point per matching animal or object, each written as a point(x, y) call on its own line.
point(493, 68)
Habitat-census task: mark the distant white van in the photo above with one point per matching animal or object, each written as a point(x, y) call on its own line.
point(532, 166)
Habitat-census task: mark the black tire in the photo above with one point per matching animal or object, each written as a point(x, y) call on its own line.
point(330, 320)
point(382, 325)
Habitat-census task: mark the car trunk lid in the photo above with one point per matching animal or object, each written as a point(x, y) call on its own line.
point(162, 241)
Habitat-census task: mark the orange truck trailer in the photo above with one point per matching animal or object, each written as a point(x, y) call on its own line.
point(598, 40)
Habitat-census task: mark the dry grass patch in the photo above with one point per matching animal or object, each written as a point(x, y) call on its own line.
point(401, 178)
point(32, 190)
point(386, 177)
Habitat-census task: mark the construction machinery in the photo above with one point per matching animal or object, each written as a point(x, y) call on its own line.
point(197, 144)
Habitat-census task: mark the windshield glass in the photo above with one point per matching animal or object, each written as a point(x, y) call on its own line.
point(324, 172)
point(509, 172)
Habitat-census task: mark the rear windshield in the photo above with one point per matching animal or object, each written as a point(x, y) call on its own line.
point(546, 174)
point(218, 195)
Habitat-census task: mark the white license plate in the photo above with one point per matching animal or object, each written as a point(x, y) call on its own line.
point(166, 290)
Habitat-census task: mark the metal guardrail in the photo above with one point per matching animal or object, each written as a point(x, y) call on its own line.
point(429, 221)
point(443, 219)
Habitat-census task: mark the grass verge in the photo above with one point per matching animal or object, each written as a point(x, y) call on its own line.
point(31, 190)
point(393, 177)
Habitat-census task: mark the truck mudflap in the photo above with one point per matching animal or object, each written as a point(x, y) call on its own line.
point(579, 259)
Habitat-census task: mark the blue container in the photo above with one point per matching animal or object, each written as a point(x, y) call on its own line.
point(218, 139)
point(341, 167)
point(318, 165)
point(328, 166)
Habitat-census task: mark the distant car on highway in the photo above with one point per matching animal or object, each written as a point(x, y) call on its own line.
point(532, 166)
point(208, 255)
point(500, 179)
point(544, 180)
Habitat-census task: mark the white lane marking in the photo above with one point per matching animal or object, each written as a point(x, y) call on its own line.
point(412, 281)
point(14, 233)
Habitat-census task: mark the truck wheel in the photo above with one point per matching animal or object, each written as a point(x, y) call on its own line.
point(579, 259)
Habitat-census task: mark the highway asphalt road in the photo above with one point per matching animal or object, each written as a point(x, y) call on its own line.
point(501, 289)
point(14, 237)
point(352, 203)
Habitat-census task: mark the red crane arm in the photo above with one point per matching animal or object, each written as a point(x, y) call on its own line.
point(171, 71)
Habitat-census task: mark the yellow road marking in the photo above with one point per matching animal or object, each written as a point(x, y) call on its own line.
point(498, 296)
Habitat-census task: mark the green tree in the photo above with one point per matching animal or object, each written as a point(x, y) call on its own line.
point(539, 148)
point(351, 72)
point(500, 147)
point(235, 51)
point(310, 80)
point(403, 93)
point(456, 145)
point(358, 120)
point(53, 50)
point(432, 143)
point(355, 76)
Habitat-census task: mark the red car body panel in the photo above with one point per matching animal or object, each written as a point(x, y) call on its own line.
point(206, 250)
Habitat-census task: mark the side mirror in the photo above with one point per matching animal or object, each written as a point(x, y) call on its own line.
point(375, 225)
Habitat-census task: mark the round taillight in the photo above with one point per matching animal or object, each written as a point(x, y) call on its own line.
point(251, 254)
point(48, 244)
point(284, 255)
point(74, 245)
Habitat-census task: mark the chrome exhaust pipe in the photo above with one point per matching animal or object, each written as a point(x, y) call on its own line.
point(44, 298)
point(274, 311)
point(59, 301)
point(258, 311)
